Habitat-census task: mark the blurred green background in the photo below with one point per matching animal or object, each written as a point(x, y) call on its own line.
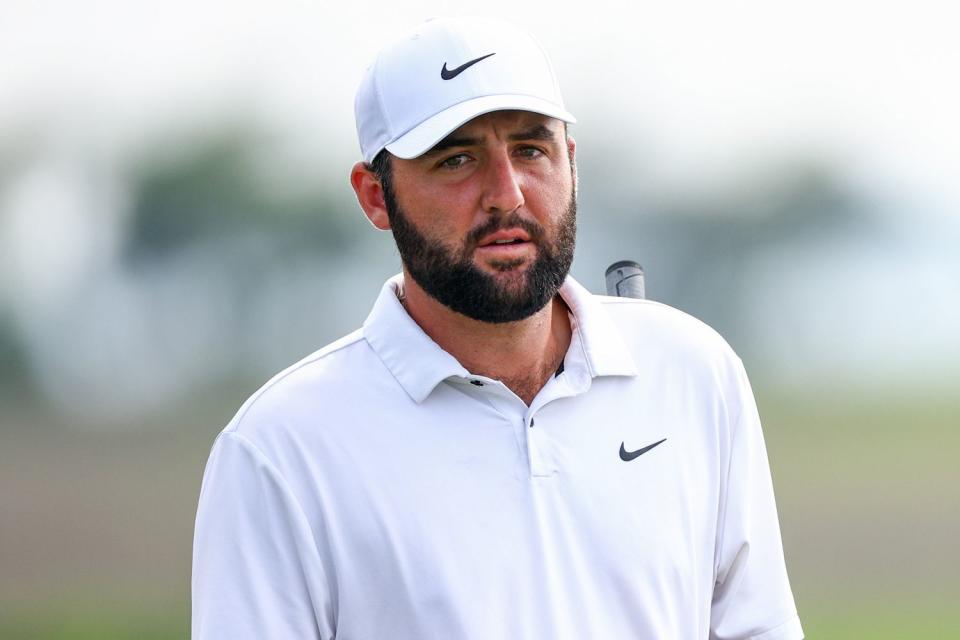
point(176, 225)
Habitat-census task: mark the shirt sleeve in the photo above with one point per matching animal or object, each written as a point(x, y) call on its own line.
point(256, 569)
point(752, 599)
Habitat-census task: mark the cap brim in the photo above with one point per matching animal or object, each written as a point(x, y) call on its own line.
point(425, 135)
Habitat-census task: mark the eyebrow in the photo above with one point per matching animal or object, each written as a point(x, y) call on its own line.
point(539, 132)
point(450, 142)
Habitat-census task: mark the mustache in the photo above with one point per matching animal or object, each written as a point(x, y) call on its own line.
point(513, 221)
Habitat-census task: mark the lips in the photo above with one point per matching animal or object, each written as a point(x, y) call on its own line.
point(506, 248)
point(504, 237)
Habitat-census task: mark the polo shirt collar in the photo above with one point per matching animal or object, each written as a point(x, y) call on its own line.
point(415, 360)
point(419, 364)
point(605, 351)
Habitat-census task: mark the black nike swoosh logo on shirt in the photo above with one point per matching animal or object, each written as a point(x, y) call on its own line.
point(627, 456)
point(450, 74)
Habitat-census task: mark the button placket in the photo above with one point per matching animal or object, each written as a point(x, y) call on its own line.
point(538, 447)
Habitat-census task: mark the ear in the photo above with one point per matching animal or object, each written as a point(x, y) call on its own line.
point(370, 195)
point(572, 153)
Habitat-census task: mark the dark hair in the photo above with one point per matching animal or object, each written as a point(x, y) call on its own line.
point(382, 168)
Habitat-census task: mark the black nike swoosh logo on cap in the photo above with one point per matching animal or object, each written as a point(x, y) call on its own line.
point(627, 456)
point(450, 74)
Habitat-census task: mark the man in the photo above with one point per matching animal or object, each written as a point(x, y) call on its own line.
point(496, 453)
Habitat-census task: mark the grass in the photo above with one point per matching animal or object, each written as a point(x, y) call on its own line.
point(93, 623)
point(882, 619)
point(878, 619)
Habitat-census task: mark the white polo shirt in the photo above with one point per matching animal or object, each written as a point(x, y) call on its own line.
point(377, 489)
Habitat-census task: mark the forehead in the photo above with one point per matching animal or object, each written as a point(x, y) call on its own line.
point(505, 123)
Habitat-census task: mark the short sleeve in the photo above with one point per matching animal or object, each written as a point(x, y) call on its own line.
point(752, 598)
point(256, 570)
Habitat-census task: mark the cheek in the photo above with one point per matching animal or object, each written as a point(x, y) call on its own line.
point(445, 212)
point(550, 196)
point(437, 219)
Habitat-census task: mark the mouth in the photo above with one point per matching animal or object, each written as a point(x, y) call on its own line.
point(504, 238)
point(507, 248)
point(506, 253)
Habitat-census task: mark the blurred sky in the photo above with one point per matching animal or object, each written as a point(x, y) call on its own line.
point(702, 82)
point(672, 97)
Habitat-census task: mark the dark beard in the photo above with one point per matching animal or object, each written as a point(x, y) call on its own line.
point(456, 283)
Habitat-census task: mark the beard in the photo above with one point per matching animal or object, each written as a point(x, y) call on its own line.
point(452, 279)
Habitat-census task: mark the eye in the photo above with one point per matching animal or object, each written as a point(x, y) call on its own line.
point(454, 162)
point(529, 153)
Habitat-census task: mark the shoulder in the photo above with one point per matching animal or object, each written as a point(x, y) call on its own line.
point(682, 357)
point(310, 389)
point(657, 327)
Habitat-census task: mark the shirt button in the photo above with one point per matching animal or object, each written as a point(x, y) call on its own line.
point(476, 383)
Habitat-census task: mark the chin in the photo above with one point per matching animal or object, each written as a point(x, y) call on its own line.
point(513, 284)
point(518, 266)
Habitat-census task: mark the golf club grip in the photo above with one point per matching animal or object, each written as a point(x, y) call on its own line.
point(625, 280)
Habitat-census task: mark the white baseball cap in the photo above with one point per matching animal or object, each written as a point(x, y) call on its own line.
point(445, 72)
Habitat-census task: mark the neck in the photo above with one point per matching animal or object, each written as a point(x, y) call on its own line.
point(523, 355)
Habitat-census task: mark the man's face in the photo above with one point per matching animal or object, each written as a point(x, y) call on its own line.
point(485, 221)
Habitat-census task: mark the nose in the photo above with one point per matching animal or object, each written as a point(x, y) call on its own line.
point(502, 192)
